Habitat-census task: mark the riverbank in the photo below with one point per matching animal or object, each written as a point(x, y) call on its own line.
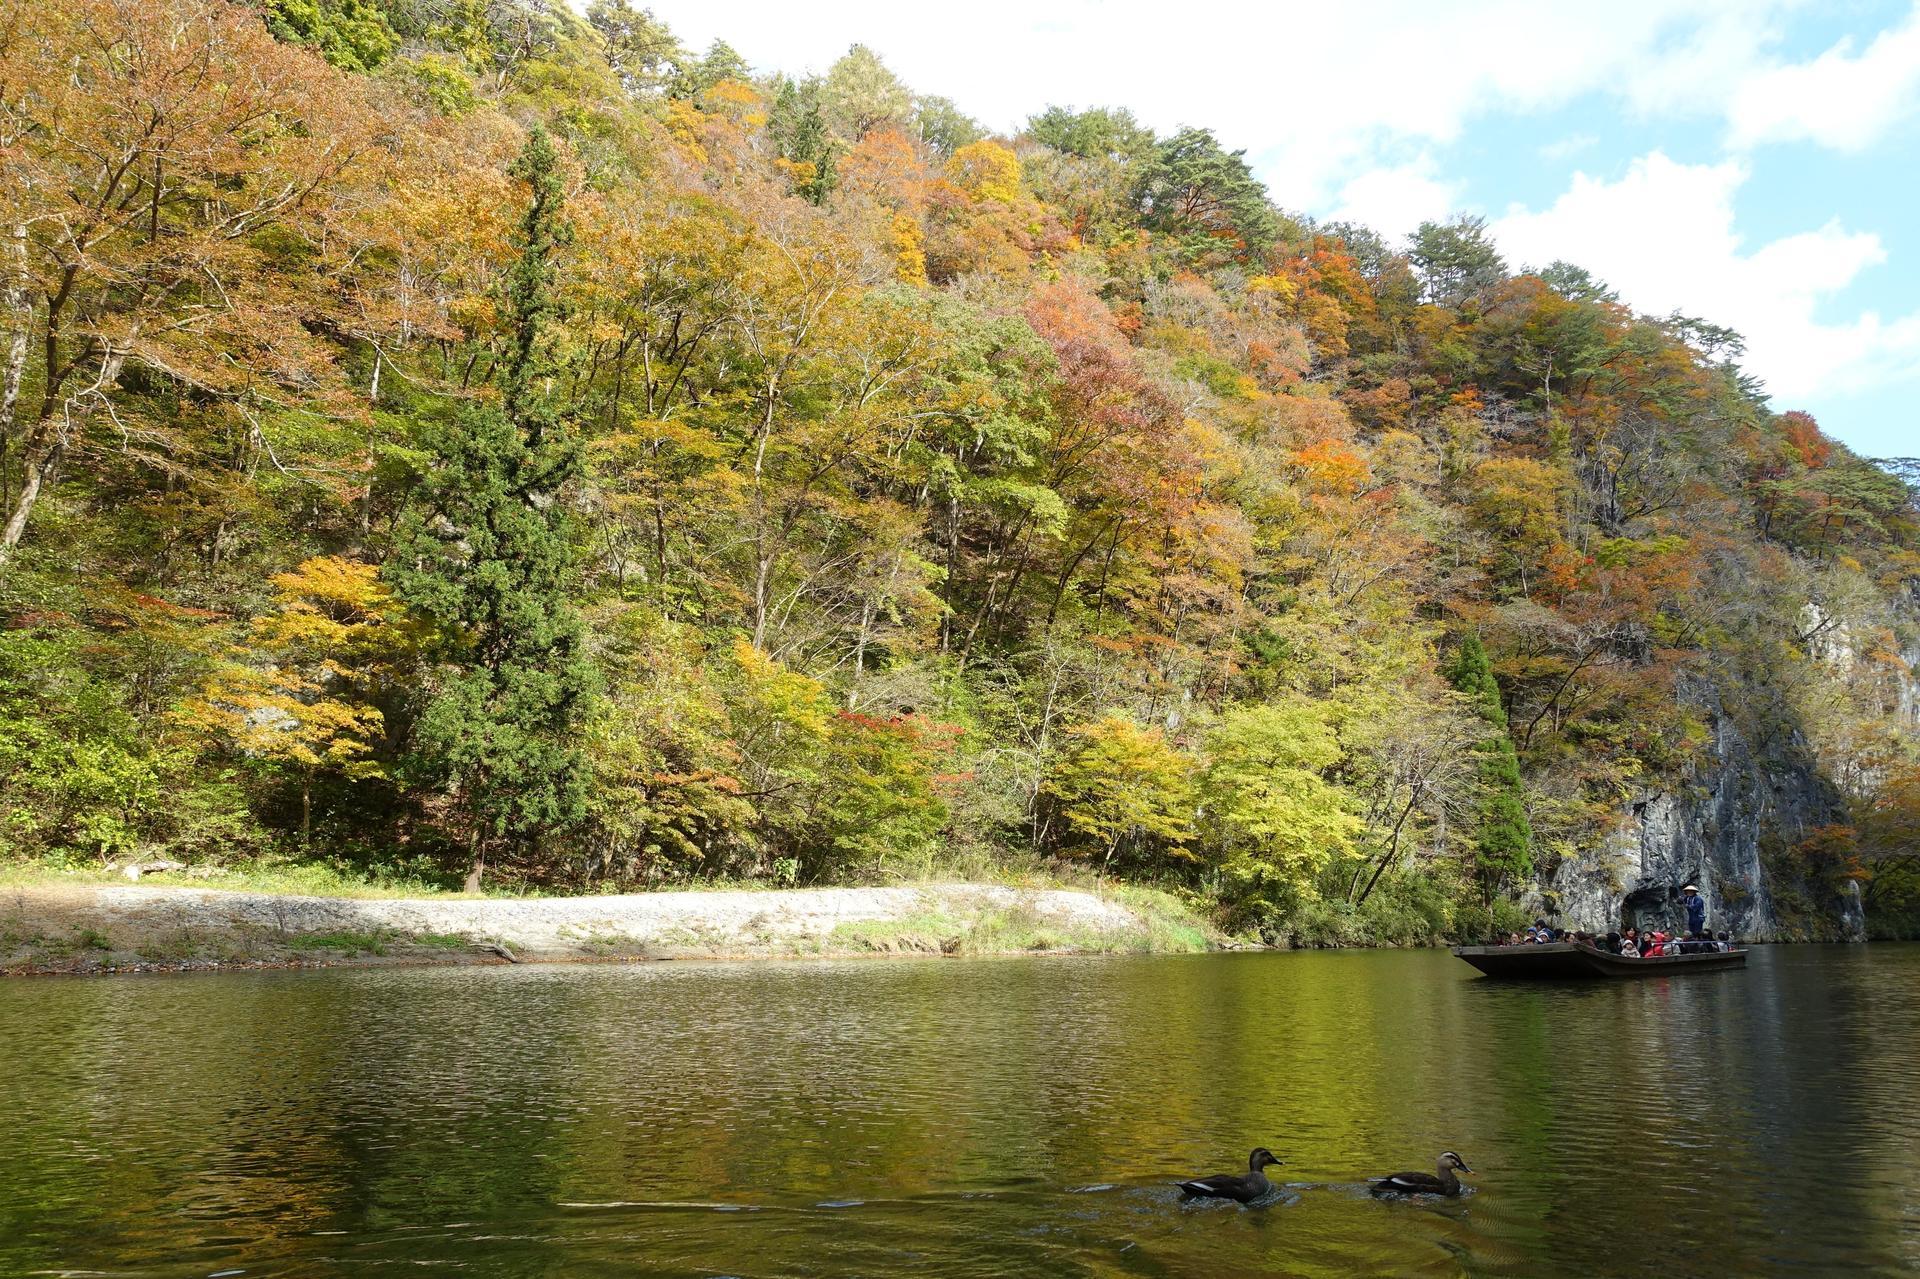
point(96, 928)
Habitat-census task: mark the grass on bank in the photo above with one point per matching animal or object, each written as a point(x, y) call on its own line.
point(340, 877)
point(273, 878)
point(1404, 911)
point(1169, 927)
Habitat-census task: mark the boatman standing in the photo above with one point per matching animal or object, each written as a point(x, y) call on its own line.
point(1696, 909)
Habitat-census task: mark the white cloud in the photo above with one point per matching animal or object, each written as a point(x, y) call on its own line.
point(1839, 99)
point(1341, 106)
point(1571, 145)
point(1316, 93)
point(1664, 236)
point(1393, 201)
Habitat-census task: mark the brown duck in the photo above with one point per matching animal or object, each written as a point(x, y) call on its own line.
point(1424, 1183)
point(1228, 1185)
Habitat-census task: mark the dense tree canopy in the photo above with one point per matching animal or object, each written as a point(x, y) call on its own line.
point(446, 435)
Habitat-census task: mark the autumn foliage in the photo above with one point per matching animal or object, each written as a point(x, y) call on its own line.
point(459, 436)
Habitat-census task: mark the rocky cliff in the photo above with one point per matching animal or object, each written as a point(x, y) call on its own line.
point(1765, 782)
point(1709, 832)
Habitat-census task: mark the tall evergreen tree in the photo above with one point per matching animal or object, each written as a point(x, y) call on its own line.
point(1503, 839)
point(799, 131)
point(1206, 198)
point(1457, 261)
point(483, 550)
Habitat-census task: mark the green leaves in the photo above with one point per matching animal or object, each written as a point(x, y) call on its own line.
point(483, 553)
point(1457, 261)
point(1503, 839)
point(1206, 199)
point(1270, 818)
point(351, 34)
point(1123, 785)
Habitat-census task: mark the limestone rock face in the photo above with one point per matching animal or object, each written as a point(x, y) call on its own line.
point(1708, 834)
point(1745, 796)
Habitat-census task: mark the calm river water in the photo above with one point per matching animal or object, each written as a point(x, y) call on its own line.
point(980, 1117)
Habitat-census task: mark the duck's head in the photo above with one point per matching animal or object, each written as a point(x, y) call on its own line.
point(1261, 1158)
point(1451, 1160)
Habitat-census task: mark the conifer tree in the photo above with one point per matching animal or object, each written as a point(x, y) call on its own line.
point(1503, 841)
point(483, 551)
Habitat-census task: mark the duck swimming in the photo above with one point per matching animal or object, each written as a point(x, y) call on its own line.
point(1227, 1185)
point(1424, 1183)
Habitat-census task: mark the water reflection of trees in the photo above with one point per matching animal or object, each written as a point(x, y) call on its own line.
point(196, 1120)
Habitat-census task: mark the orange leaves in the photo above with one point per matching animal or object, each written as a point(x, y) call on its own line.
point(1386, 407)
point(1803, 435)
point(1332, 466)
point(1565, 570)
point(123, 147)
point(1306, 418)
point(886, 166)
point(1064, 312)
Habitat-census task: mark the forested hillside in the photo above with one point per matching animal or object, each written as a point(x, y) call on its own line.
point(462, 439)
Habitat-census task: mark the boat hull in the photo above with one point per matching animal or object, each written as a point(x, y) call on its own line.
point(1574, 961)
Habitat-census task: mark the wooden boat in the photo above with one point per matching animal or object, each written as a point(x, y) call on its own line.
point(1567, 960)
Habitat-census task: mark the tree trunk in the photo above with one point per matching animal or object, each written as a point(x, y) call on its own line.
point(306, 807)
point(47, 445)
point(1393, 848)
point(37, 469)
point(762, 557)
point(20, 306)
point(477, 866)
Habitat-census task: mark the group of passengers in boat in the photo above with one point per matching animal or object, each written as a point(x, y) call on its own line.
point(1634, 942)
point(1653, 942)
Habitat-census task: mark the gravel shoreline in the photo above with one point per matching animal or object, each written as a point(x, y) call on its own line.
point(110, 928)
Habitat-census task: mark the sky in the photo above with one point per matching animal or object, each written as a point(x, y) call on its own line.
point(1755, 163)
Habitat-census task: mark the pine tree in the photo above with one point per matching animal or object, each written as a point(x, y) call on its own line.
point(483, 551)
point(1503, 840)
point(797, 128)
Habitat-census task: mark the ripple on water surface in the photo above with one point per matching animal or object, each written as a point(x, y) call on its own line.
point(990, 1117)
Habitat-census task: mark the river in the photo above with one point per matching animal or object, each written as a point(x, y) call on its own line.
point(981, 1117)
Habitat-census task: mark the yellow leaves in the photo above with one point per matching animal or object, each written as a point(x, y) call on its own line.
point(800, 174)
point(474, 314)
point(278, 714)
point(1520, 498)
point(332, 581)
point(684, 125)
point(739, 102)
point(332, 610)
point(293, 691)
point(777, 708)
point(1276, 287)
point(909, 251)
point(1401, 457)
point(1120, 781)
point(1219, 458)
point(985, 170)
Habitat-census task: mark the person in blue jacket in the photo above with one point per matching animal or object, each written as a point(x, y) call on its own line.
point(1696, 909)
